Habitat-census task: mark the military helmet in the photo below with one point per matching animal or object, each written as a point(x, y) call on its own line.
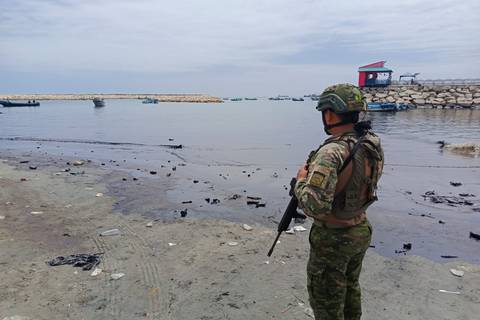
point(342, 98)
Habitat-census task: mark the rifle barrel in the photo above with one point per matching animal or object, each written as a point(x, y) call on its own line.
point(274, 244)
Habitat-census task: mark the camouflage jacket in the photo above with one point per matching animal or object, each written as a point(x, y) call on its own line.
point(316, 193)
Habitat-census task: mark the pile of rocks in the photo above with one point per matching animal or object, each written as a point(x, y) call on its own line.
point(435, 96)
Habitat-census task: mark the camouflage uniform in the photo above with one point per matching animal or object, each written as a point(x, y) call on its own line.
point(336, 254)
point(340, 234)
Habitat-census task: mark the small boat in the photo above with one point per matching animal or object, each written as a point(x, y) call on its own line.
point(250, 99)
point(298, 99)
point(150, 100)
point(382, 107)
point(236, 99)
point(8, 104)
point(98, 102)
point(315, 98)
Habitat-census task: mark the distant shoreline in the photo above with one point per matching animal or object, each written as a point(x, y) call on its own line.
point(196, 98)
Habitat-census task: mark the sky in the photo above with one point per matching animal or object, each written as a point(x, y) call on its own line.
point(229, 47)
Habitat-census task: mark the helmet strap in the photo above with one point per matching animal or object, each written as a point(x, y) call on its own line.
point(327, 127)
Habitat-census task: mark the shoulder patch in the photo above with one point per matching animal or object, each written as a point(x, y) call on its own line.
point(319, 177)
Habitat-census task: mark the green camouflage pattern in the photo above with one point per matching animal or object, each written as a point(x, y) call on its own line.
point(315, 194)
point(333, 270)
point(342, 98)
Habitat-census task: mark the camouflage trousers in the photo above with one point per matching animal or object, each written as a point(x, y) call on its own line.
point(333, 270)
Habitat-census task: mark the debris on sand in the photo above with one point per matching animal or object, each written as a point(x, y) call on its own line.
point(455, 184)
point(24, 161)
point(250, 202)
point(23, 179)
point(299, 228)
point(32, 167)
point(85, 261)
point(449, 257)
point(448, 200)
point(99, 195)
point(232, 243)
point(36, 212)
point(187, 202)
point(96, 272)
point(149, 225)
point(246, 227)
point(153, 172)
point(183, 213)
point(116, 276)
point(207, 200)
point(215, 201)
point(78, 163)
point(260, 205)
point(254, 198)
point(446, 291)
point(474, 236)
point(457, 273)
point(172, 244)
point(111, 232)
point(235, 197)
point(407, 246)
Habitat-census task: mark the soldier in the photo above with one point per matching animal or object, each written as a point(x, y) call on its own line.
point(335, 187)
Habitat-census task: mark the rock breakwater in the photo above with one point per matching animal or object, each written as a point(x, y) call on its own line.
point(465, 96)
point(198, 98)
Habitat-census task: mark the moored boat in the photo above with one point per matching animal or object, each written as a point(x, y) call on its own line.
point(150, 100)
point(98, 102)
point(236, 99)
point(8, 103)
point(250, 99)
point(298, 99)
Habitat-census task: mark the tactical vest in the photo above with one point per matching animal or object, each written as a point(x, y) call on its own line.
point(360, 190)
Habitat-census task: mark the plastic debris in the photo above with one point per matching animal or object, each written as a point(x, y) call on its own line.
point(171, 244)
point(85, 261)
point(458, 273)
point(232, 243)
point(79, 163)
point(247, 227)
point(183, 213)
point(474, 236)
point(99, 194)
point(150, 224)
point(299, 228)
point(16, 318)
point(116, 276)
point(266, 262)
point(36, 212)
point(446, 291)
point(111, 232)
point(290, 231)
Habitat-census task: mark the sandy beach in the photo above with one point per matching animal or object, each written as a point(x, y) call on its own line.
point(184, 268)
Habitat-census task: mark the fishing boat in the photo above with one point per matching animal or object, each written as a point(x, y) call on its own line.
point(150, 100)
point(382, 107)
point(298, 99)
point(98, 102)
point(250, 99)
point(8, 104)
point(388, 107)
point(236, 99)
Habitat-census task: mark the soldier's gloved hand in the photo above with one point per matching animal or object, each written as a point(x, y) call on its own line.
point(302, 172)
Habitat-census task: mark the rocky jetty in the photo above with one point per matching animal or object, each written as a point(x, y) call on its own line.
point(199, 98)
point(466, 96)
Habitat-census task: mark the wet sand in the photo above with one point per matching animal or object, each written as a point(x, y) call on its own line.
point(200, 277)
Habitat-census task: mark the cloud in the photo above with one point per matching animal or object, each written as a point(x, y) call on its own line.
point(214, 37)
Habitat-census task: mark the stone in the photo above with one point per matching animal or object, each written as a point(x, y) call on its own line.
point(464, 101)
point(419, 101)
point(381, 95)
point(390, 99)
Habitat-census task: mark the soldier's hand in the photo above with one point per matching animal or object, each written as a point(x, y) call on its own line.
point(302, 172)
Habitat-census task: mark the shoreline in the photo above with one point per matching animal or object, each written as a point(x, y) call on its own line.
point(186, 268)
point(197, 98)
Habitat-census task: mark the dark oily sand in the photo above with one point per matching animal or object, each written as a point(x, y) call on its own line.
point(184, 269)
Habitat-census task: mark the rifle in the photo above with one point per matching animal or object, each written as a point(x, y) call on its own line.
point(290, 213)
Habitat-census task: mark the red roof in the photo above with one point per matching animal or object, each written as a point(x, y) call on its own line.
point(379, 64)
